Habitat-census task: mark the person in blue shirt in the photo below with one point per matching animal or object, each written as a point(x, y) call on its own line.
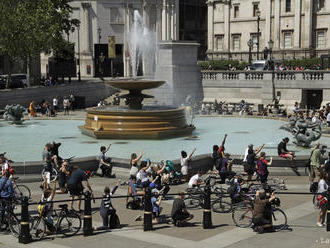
point(7, 193)
point(156, 200)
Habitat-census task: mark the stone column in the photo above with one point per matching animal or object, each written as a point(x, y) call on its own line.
point(85, 44)
point(308, 24)
point(268, 27)
point(297, 24)
point(159, 21)
point(176, 21)
point(227, 26)
point(172, 20)
point(168, 18)
point(164, 20)
point(210, 26)
point(277, 20)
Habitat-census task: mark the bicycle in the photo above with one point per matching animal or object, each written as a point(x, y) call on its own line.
point(55, 171)
point(20, 189)
point(242, 215)
point(68, 223)
point(10, 219)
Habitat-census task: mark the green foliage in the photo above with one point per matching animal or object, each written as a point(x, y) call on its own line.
point(306, 63)
point(29, 27)
point(222, 64)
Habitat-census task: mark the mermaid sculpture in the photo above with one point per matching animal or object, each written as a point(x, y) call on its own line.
point(14, 113)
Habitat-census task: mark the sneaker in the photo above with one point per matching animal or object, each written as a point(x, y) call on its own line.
point(138, 218)
point(319, 224)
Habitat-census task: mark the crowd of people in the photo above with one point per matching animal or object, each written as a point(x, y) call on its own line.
point(157, 178)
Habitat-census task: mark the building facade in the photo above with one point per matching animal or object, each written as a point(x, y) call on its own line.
point(100, 19)
point(296, 28)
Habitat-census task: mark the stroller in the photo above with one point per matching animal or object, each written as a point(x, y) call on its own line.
point(174, 175)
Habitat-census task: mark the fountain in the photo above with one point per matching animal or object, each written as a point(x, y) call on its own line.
point(136, 121)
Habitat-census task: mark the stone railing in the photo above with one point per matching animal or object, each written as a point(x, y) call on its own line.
point(261, 75)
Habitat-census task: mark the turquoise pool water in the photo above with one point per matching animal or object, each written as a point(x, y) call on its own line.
point(26, 142)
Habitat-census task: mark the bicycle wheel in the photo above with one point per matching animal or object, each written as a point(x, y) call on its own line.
point(14, 225)
point(220, 206)
point(279, 219)
point(53, 175)
point(70, 224)
point(37, 228)
point(192, 202)
point(23, 190)
point(242, 215)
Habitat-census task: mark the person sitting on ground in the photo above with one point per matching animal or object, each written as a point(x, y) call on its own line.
point(196, 180)
point(134, 164)
point(75, 185)
point(7, 193)
point(47, 197)
point(107, 211)
point(184, 164)
point(261, 211)
point(250, 160)
point(283, 151)
point(179, 211)
point(63, 176)
point(322, 200)
point(105, 162)
point(262, 165)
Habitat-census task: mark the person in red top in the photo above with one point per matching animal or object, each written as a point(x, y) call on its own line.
point(263, 167)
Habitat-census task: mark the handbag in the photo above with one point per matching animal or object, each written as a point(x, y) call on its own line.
point(322, 200)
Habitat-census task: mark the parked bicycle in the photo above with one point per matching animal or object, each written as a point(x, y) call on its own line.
point(21, 190)
point(67, 223)
point(11, 219)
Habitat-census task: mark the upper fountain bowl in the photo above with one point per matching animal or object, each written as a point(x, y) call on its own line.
point(135, 85)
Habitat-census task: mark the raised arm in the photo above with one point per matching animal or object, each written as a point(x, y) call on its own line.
point(192, 153)
point(271, 161)
point(259, 149)
point(108, 148)
point(138, 158)
point(224, 140)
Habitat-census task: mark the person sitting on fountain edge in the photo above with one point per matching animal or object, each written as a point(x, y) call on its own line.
point(283, 151)
point(105, 163)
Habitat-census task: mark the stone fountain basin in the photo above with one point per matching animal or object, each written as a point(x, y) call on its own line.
point(131, 84)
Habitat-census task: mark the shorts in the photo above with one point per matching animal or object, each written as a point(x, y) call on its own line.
point(76, 189)
point(285, 155)
point(263, 178)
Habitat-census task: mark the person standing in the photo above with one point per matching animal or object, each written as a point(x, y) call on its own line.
point(72, 101)
point(249, 160)
point(184, 164)
point(32, 110)
point(66, 105)
point(7, 193)
point(315, 163)
point(263, 167)
point(55, 104)
point(322, 190)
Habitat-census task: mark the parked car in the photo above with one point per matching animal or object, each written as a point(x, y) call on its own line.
point(260, 65)
point(17, 81)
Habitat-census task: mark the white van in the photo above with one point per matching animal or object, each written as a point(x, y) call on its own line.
point(259, 65)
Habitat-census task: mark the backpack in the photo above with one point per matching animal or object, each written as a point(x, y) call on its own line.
point(314, 187)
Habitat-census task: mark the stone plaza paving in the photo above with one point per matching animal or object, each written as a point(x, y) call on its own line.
point(302, 232)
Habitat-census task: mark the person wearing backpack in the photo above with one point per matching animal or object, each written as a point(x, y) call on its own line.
point(263, 168)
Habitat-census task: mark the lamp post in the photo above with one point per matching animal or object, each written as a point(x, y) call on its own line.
point(79, 73)
point(250, 44)
point(270, 47)
point(99, 31)
point(258, 33)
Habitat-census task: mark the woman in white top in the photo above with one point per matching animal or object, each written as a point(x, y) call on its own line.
point(134, 164)
point(184, 164)
point(322, 188)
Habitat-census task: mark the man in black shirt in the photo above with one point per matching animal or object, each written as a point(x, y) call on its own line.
point(283, 151)
point(179, 211)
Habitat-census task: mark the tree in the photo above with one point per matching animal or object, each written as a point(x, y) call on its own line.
point(29, 27)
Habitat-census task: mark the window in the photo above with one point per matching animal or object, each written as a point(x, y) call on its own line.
point(255, 10)
point(236, 42)
point(287, 5)
point(219, 42)
point(254, 39)
point(287, 39)
point(236, 11)
point(116, 16)
point(320, 39)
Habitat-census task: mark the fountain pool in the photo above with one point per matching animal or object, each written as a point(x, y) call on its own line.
point(25, 142)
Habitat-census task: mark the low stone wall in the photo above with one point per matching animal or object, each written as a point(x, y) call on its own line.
point(202, 162)
point(93, 92)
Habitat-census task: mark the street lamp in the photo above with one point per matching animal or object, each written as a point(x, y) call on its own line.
point(79, 73)
point(99, 31)
point(272, 64)
point(258, 32)
point(250, 44)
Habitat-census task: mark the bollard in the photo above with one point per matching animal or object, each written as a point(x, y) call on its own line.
point(147, 220)
point(207, 217)
point(24, 234)
point(88, 227)
point(328, 213)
